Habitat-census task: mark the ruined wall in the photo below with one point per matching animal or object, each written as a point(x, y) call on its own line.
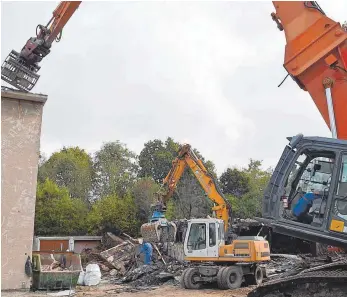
point(176, 251)
point(21, 116)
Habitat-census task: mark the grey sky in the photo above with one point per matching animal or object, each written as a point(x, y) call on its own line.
point(205, 73)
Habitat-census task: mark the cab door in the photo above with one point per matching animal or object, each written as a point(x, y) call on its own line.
point(213, 243)
point(338, 215)
point(196, 242)
point(273, 192)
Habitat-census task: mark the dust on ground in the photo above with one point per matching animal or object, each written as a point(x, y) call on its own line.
point(164, 290)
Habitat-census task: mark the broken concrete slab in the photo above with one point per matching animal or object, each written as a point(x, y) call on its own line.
point(120, 256)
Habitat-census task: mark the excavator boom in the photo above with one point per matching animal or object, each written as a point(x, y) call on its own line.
point(187, 158)
point(20, 69)
point(316, 58)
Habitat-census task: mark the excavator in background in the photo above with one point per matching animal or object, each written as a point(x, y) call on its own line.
point(161, 230)
point(210, 240)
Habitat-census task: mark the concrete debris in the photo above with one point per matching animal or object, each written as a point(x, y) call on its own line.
point(120, 256)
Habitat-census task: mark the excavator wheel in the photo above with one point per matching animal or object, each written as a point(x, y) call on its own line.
point(256, 278)
point(220, 278)
point(182, 278)
point(231, 277)
point(188, 279)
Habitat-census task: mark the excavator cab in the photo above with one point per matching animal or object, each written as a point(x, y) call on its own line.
point(204, 237)
point(307, 194)
point(205, 241)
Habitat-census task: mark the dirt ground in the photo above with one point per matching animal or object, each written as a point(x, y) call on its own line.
point(165, 290)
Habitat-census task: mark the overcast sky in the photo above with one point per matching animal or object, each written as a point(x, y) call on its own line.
point(205, 73)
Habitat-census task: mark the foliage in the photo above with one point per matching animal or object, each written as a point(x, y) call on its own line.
point(144, 193)
point(120, 213)
point(115, 169)
point(234, 182)
point(71, 168)
point(250, 203)
point(114, 190)
point(156, 158)
point(170, 210)
point(56, 213)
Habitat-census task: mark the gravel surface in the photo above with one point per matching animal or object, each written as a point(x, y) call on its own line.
point(116, 290)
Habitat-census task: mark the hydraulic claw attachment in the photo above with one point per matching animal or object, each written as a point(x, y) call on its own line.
point(20, 69)
point(15, 72)
point(159, 229)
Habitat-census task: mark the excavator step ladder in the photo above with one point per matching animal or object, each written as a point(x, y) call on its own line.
point(14, 72)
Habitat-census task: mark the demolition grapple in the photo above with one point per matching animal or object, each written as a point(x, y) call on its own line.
point(16, 72)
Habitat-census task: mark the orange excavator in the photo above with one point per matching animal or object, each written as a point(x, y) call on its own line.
point(316, 59)
point(161, 230)
point(211, 240)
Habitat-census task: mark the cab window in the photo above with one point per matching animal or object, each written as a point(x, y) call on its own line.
point(307, 187)
point(342, 185)
point(197, 237)
point(212, 234)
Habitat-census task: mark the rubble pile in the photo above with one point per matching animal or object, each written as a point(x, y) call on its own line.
point(153, 275)
point(122, 264)
point(89, 256)
point(121, 257)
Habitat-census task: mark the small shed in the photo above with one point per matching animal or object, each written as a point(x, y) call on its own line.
point(74, 244)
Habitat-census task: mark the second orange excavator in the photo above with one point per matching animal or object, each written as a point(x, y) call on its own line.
point(232, 259)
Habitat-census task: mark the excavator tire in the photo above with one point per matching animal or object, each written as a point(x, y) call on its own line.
point(188, 279)
point(220, 277)
point(256, 278)
point(182, 279)
point(232, 277)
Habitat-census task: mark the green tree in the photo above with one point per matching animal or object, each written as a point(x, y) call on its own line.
point(144, 192)
point(156, 158)
point(259, 179)
point(115, 168)
point(235, 182)
point(71, 168)
point(250, 203)
point(120, 213)
point(56, 213)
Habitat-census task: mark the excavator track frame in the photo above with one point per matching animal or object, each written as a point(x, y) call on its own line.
point(336, 275)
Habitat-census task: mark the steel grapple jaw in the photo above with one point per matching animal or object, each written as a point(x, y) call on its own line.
point(15, 72)
point(159, 231)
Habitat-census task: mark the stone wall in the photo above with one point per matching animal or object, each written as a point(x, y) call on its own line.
point(21, 116)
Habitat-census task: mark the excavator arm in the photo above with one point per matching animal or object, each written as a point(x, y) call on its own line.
point(20, 69)
point(187, 158)
point(316, 58)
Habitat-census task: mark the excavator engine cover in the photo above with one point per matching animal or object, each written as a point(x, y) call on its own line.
point(15, 72)
point(159, 231)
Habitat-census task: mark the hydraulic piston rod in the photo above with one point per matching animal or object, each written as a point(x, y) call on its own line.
point(327, 85)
